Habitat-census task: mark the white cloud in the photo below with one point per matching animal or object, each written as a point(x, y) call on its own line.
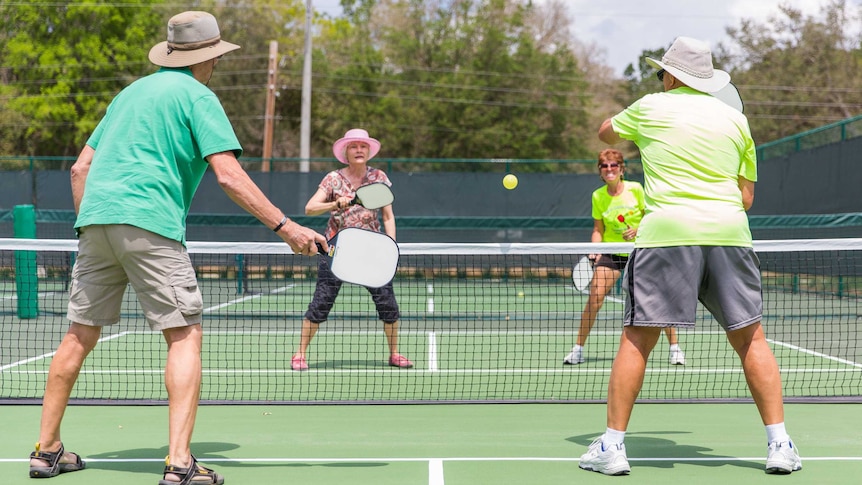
point(762, 10)
point(625, 28)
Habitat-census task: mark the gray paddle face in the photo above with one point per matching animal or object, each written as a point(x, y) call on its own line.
point(730, 95)
point(363, 257)
point(374, 196)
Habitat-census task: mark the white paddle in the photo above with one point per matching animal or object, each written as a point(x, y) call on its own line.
point(373, 196)
point(362, 257)
point(582, 274)
point(730, 95)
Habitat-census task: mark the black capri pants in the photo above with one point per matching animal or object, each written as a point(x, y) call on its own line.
point(327, 290)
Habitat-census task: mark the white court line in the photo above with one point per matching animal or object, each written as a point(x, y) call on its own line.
point(432, 351)
point(587, 292)
point(435, 471)
point(205, 459)
point(246, 298)
point(435, 465)
point(51, 354)
point(123, 334)
point(815, 353)
point(444, 371)
point(41, 293)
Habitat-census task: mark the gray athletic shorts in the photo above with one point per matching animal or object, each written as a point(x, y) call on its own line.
point(110, 257)
point(663, 286)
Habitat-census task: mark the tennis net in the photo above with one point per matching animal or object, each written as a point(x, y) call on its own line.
point(481, 322)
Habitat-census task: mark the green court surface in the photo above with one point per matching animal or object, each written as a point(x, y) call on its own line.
point(498, 444)
point(473, 339)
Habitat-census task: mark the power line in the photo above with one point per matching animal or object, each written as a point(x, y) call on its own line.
point(389, 80)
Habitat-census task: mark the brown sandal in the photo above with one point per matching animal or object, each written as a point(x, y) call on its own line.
point(193, 475)
point(54, 467)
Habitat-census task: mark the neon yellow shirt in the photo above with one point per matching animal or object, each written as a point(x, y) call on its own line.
point(693, 149)
point(619, 212)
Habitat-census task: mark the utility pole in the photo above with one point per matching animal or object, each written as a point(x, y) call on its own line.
point(269, 115)
point(305, 125)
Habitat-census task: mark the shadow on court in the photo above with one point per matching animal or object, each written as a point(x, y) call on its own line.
point(351, 364)
point(208, 454)
point(660, 450)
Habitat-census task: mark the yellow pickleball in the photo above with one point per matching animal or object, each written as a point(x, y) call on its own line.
point(510, 181)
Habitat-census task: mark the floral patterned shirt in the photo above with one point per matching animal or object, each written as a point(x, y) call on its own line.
point(336, 185)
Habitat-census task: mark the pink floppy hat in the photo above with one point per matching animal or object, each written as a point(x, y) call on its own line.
point(356, 134)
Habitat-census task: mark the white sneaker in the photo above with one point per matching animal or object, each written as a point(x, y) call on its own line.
point(575, 357)
point(610, 461)
point(677, 357)
point(783, 458)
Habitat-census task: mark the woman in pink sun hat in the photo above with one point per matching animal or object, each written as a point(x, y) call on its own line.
point(334, 194)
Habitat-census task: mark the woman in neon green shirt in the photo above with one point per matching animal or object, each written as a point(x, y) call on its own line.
point(618, 207)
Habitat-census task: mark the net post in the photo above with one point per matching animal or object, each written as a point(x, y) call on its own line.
point(240, 272)
point(26, 283)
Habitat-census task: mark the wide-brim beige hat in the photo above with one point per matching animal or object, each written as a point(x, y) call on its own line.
point(193, 37)
point(357, 134)
point(690, 61)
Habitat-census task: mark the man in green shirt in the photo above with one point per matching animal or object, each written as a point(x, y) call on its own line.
point(693, 243)
point(132, 186)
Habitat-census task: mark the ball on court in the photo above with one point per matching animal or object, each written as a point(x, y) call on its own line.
point(510, 181)
point(520, 294)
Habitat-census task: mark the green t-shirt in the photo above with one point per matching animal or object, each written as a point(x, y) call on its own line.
point(628, 206)
point(693, 149)
point(149, 153)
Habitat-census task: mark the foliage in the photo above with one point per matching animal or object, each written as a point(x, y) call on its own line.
point(794, 72)
point(432, 79)
point(240, 79)
point(641, 80)
point(66, 62)
point(798, 72)
point(457, 79)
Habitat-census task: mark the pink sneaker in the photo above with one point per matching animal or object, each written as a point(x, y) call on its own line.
point(298, 363)
point(398, 360)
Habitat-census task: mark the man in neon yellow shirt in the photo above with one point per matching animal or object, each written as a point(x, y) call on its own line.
point(694, 243)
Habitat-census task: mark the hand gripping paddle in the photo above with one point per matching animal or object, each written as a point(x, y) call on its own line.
point(362, 257)
point(373, 196)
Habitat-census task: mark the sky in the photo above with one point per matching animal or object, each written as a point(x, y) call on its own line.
point(625, 28)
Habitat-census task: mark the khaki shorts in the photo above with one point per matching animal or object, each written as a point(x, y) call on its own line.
point(110, 257)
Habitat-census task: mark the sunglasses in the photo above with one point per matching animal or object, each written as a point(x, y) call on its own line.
point(660, 75)
point(609, 165)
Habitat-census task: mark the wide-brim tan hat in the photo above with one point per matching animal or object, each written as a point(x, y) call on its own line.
point(193, 37)
point(357, 134)
point(690, 61)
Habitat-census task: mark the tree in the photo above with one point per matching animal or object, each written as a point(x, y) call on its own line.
point(241, 77)
point(455, 79)
point(66, 62)
point(641, 80)
point(797, 72)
